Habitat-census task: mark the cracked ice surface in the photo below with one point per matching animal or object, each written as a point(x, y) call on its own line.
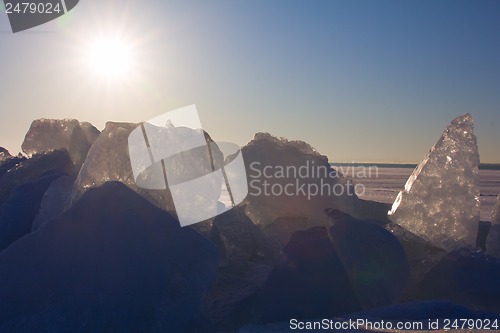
point(440, 201)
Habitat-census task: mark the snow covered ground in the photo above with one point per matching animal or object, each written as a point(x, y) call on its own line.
point(383, 184)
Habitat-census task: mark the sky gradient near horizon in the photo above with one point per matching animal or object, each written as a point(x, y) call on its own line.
point(362, 81)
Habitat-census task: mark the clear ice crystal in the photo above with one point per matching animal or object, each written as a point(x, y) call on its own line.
point(46, 135)
point(440, 201)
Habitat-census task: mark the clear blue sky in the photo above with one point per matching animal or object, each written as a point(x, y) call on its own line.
point(365, 81)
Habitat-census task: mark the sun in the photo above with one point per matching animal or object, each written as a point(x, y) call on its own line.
point(110, 57)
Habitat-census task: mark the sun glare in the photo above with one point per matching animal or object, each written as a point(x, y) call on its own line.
point(110, 57)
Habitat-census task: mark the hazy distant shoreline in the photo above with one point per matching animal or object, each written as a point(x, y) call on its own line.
point(482, 166)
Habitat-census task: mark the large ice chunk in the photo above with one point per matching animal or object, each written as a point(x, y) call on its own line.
point(464, 277)
point(109, 160)
point(290, 179)
point(373, 257)
point(46, 135)
point(309, 281)
point(19, 170)
point(111, 263)
point(19, 210)
point(440, 201)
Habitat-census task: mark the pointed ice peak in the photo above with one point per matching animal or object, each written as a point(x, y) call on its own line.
point(463, 120)
point(440, 201)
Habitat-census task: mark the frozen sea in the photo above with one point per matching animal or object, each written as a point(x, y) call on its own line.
point(383, 183)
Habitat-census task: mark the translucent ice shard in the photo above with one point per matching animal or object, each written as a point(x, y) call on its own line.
point(440, 201)
point(46, 135)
